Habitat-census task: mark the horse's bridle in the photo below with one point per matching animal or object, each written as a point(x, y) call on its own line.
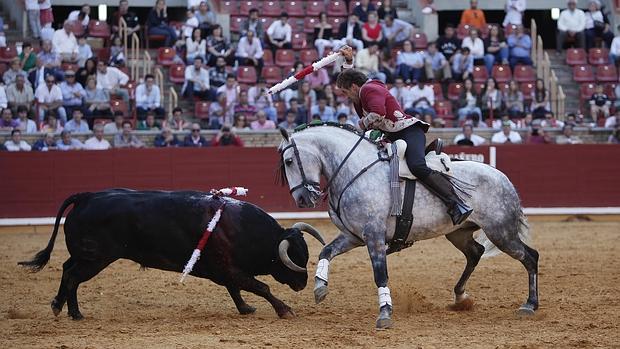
point(311, 186)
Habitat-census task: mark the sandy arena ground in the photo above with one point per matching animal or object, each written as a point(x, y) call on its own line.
point(128, 308)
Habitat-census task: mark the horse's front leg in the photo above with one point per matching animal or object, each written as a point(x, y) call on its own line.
point(375, 241)
point(341, 244)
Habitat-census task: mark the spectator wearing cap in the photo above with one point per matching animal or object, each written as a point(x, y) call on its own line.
point(19, 93)
point(157, 22)
point(362, 10)
point(262, 123)
point(196, 80)
point(45, 143)
point(49, 97)
point(110, 80)
point(166, 139)
point(449, 44)
point(148, 98)
point(72, 93)
point(7, 123)
point(16, 143)
point(473, 16)
point(506, 135)
point(82, 15)
point(194, 139)
point(250, 51)
point(463, 64)
point(396, 31)
point(177, 122)
point(280, 33)
point(253, 23)
point(567, 136)
point(65, 44)
point(520, 46)
point(77, 124)
point(25, 124)
point(226, 138)
point(126, 138)
point(468, 137)
point(67, 142)
point(571, 24)
point(514, 12)
point(116, 126)
point(13, 72)
point(349, 33)
point(97, 142)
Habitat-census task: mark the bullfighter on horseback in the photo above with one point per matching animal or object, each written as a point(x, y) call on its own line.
point(378, 109)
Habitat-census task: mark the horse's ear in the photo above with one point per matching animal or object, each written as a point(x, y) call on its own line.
point(284, 133)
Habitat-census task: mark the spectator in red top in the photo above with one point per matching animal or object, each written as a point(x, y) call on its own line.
point(372, 31)
point(226, 138)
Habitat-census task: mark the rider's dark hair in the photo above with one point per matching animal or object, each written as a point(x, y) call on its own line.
point(350, 77)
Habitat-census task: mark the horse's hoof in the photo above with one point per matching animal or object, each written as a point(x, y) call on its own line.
point(287, 314)
point(77, 316)
point(526, 311)
point(56, 308)
point(462, 303)
point(384, 323)
point(320, 293)
point(246, 310)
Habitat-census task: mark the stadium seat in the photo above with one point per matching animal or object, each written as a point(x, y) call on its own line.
point(246, 75)
point(309, 23)
point(308, 56)
point(177, 73)
point(503, 86)
point(285, 58)
point(597, 56)
point(298, 41)
point(586, 91)
point(419, 41)
point(480, 74)
point(454, 90)
point(583, 73)
point(3, 67)
point(610, 91)
point(524, 73)
point(267, 22)
point(272, 75)
point(313, 8)
point(165, 56)
point(246, 5)
point(337, 9)
point(437, 90)
point(98, 29)
point(119, 105)
point(229, 7)
point(444, 109)
point(502, 73)
point(462, 31)
point(160, 39)
point(576, 56)
point(69, 66)
point(268, 58)
point(236, 22)
point(102, 54)
point(335, 22)
point(7, 54)
point(271, 9)
point(526, 89)
point(606, 73)
point(484, 31)
point(479, 86)
point(511, 28)
point(294, 8)
point(201, 109)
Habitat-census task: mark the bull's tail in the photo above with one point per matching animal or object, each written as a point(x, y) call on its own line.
point(42, 257)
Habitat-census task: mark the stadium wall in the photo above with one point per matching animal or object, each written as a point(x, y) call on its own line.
point(34, 184)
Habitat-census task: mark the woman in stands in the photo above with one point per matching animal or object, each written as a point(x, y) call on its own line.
point(597, 25)
point(195, 46)
point(157, 23)
point(540, 100)
point(513, 98)
point(491, 100)
point(495, 48)
point(322, 34)
point(89, 68)
point(386, 8)
point(468, 101)
point(219, 46)
point(371, 31)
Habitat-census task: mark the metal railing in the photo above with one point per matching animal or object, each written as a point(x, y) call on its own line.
point(147, 64)
point(534, 39)
point(122, 30)
point(561, 104)
point(134, 58)
point(540, 58)
point(159, 81)
point(173, 100)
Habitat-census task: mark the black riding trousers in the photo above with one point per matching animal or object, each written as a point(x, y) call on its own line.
point(416, 144)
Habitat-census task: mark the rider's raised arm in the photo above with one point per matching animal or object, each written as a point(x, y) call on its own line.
point(347, 53)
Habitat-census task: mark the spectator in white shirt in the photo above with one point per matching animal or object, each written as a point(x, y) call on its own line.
point(25, 124)
point(506, 135)
point(49, 97)
point(614, 50)
point(597, 25)
point(34, 18)
point(16, 143)
point(402, 93)
point(367, 61)
point(3, 100)
point(475, 44)
point(67, 142)
point(423, 99)
point(97, 142)
point(396, 31)
point(514, 12)
point(409, 64)
point(148, 98)
point(77, 123)
point(196, 80)
point(81, 15)
point(280, 33)
point(468, 137)
point(195, 46)
point(250, 51)
point(190, 24)
point(110, 79)
point(65, 44)
point(572, 23)
point(84, 51)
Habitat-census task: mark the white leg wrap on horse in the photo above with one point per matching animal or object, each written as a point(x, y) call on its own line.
point(384, 297)
point(461, 297)
point(322, 270)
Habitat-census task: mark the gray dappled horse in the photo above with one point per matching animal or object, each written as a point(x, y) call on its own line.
point(359, 205)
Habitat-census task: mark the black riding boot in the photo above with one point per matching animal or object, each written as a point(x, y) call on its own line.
point(441, 186)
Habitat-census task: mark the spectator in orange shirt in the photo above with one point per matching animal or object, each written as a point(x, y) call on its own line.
point(474, 16)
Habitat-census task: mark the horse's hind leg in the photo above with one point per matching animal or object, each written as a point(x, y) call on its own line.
point(464, 241)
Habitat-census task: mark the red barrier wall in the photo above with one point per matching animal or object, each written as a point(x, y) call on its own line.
point(34, 184)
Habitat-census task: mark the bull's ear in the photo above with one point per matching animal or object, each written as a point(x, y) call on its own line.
point(284, 133)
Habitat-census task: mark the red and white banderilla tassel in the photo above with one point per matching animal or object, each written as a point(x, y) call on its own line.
point(306, 71)
point(237, 191)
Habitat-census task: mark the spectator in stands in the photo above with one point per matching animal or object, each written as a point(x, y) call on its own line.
point(253, 23)
point(166, 139)
point(84, 51)
point(423, 97)
point(126, 138)
point(280, 33)
point(250, 52)
point(217, 75)
point(89, 68)
point(194, 139)
point(19, 93)
point(196, 81)
point(323, 34)
point(436, 65)
point(385, 9)
point(34, 18)
point(82, 15)
point(132, 21)
point(240, 124)
point(614, 50)
point(7, 123)
point(514, 12)
point(506, 135)
point(191, 23)
point(491, 99)
point(463, 64)
point(16, 143)
point(473, 16)
point(47, 17)
point(318, 79)
point(3, 99)
point(613, 120)
point(218, 111)
point(513, 99)
point(72, 93)
point(195, 46)
point(149, 123)
point(231, 89)
point(244, 108)
point(96, 100)
point(571, 24)
point(597, 25)
point(262, 123)
point(27, 58)
point(449, 44)
point(289, 121)
point(51, 124)
point(50, 59)
point(45, 143)
point(372, 31)
point(349, 33)
point(468, 101)
point(97, 142)
point(599, 103)
point(76, 124)
point(567, 136)
point(330, 97)
point(520, 46)
point(325, 112)
point(177, 122)
point(116, 126)
point(468, 137)
point(206, 17)
point(538, 136)
point(157, 23)
point(402, 93)
point(110, 80)
point(14, 70)
point(219, 46)
point(614, 138)
point(496, 49)
point(25, 124)
point(301, 113)
point(261, 100)
point(148, 98)
point(65, 44)
point(67, 142)
point(49, 97)
point(499, 121)
point(37, 75)
point(367, 61)
point(396, 31)
point(47, 32)
point(306, 96)
point(551, 121)
point(409, 64)
point(540, 100)
point(363, 10)
point(475, 45)
point(226, 137)
point(117, 53)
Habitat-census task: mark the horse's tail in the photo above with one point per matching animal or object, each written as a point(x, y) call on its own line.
point(523, 229)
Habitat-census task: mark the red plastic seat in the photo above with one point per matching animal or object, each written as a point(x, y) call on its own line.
point(309, 23)
point(131, 89)
point(463, 30)
point(201, 109)
point(294, 8)
point(337, 9)
point(576, 56)
point(160, 39)
point(177, 73)
point(503, 86)
point(7, 54)
point(165, 56)
point(419, 41)
point(268, 58)
point(444, 109)
point(583, 73)
point(230, 7)
point(480, 74)
point(308, 56)
point(586, 91)
point(272, 75)
point(246, 75)
point(508, 30)
point(236, 22)
point(437, 90)
point(606, 73)
point(298, 41)
point(246, 5)
point(98, 29)
point(524, 73)
point(526, 89)
point(335, 22)
point(267, 21)
point(69, 66)
point(271, 9)
point(502, 73)
point(454, 90)
point(313, 8)
point(117, 105)
point(597, 56)
point(285, 58)
point(610, 91)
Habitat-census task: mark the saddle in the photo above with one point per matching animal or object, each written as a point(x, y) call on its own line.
point(435, 158)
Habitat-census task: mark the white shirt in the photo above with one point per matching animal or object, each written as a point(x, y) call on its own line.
point(475, 47)
point(427, 91)
point(45, 95)
point(189, 26)
point(22, 146)
point(73, 127)
point(615, 46)
point(29, 127)
point(112, 79)
point(403, 95)
point(196, 48)
point(94, 144)
point(248, 49)
point(514, 12)
point(398, 24)
point(572, 20)
point(278, 31)
point(477, 140)
point(32, 5)
point(64, 43)
point(73, 16)
point(45, 5)
point(593, 16)
point(148, 99)
point(500, 137)
point(3, 100)
point(202, 76)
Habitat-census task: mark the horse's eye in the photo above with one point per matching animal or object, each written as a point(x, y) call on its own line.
point(288, 162)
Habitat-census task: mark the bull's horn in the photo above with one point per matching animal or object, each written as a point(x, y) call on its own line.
point(310, 230)
point(283, 252)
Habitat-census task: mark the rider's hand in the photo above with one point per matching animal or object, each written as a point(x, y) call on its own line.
point(347, 53)
point(361, 125)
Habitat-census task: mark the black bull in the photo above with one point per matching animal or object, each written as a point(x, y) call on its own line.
point(160, 230)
